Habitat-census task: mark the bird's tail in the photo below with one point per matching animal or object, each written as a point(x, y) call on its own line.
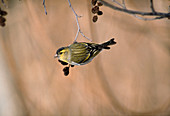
point(108, 43)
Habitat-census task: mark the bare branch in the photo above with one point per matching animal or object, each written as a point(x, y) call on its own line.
point(159, 15)
point(44, 7)
point(152, 6)
point(78, 25)
point(141, 18)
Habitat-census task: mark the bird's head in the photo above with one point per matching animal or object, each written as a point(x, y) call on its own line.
point(62, 54)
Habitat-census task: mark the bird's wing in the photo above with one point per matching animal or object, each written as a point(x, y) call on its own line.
point(82, 52)
point(79, 52)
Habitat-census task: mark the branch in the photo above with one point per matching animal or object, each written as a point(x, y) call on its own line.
point(78, 25)
point(159, 15)
point(141, 18)
point(148, 19)
point(44, 7)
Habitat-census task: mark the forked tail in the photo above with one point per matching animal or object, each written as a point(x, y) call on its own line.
point(108, 43)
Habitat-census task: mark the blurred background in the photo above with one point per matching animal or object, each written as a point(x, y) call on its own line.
point(130, 79)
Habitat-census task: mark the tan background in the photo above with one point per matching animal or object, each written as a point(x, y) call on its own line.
point(133, 78)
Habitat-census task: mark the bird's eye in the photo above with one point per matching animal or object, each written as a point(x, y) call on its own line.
point(61, 52)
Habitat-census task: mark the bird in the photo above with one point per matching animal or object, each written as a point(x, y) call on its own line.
point(80, 53)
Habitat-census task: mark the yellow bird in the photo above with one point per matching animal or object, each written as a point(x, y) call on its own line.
point(80, 53)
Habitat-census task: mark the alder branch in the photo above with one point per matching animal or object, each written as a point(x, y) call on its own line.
point(158, 15)
point(141, 18)
point(78, 25)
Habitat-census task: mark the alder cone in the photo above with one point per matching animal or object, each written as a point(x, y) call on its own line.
point(95, 18)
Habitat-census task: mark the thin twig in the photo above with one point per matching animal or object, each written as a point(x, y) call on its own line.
point(3, 3)
point(159, 15)
point(152, 6)
point(123, 2)
point(118, 3)
point(45, 7)
point(78, 25)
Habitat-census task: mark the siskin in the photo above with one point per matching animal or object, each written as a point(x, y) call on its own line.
point(80, 53)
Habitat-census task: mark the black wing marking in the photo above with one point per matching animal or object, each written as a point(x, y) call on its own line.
point(94, 49)
point(63, 63)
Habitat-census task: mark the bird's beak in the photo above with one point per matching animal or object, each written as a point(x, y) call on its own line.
point(56, 56)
